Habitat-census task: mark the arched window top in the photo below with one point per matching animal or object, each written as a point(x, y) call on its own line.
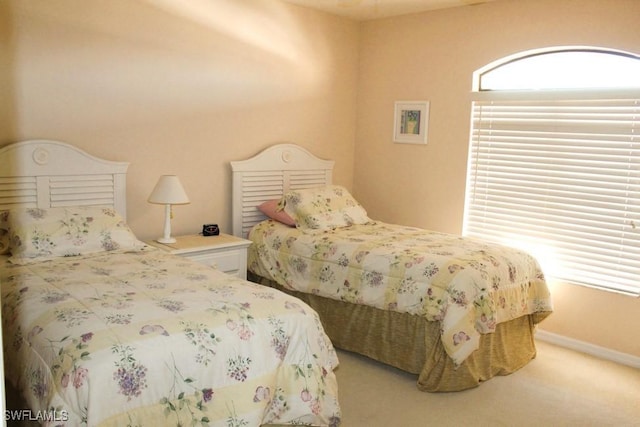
point(561, 68)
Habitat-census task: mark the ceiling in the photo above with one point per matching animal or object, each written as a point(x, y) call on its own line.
point(363, 10)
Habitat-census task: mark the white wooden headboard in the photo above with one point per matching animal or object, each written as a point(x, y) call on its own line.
point(270, 174)
point(43, 174)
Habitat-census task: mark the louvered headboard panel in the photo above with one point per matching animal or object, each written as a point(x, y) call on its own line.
point(268, 175)
point(42, 173)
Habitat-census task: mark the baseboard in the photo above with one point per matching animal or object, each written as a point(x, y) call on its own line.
point(592, 349)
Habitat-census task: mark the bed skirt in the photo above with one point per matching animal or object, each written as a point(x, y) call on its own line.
point(412, 344)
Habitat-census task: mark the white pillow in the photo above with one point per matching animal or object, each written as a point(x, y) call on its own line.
point(43, 234)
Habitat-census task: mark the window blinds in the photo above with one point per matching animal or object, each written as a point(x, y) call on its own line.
point(564, 177)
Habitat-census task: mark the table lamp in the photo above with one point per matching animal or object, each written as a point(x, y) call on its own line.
point(168, 191)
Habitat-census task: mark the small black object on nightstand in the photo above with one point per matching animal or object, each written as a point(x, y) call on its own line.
point(210, 230)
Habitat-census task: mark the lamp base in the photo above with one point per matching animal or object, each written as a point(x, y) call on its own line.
point(165, 240)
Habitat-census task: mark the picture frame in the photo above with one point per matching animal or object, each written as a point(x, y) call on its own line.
point(411, 122)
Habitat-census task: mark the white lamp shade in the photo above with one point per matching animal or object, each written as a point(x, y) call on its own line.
point(168, 191)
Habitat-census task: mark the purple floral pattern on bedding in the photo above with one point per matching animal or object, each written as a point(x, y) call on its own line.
point(130, 375)
point(147, 338)
point(467, 285)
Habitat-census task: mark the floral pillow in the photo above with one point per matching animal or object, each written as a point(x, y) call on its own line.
point(42, 234)
point(324, 208)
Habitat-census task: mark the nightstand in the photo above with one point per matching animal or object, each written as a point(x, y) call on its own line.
point(224, 252)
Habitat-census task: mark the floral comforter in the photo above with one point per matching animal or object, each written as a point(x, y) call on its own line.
point(468, 285)
point(151, 339)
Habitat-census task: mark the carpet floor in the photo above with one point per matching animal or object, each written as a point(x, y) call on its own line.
point(561, 387)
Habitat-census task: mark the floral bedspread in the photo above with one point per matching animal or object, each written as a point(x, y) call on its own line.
point(466, 284)
point(150, 339)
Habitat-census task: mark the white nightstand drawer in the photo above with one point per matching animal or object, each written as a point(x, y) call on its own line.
point(228, 261)
point(224, 252)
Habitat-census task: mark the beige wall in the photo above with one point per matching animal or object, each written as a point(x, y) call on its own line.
point(179, 87)
point(7, 112)
point(432, 56)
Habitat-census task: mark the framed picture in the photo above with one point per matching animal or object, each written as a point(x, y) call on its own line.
point(411, 122)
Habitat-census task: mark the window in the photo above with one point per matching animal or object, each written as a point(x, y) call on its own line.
point(566, 69)
point(554, 165)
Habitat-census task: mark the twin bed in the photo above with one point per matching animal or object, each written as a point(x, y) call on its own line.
point(455, 311)
point(100, 329)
